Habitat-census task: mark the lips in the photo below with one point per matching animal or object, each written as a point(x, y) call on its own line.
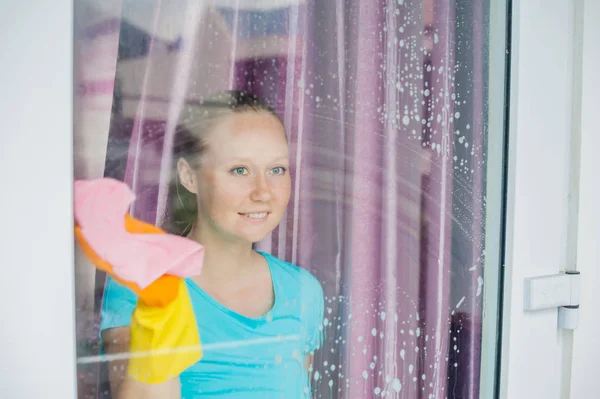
point(255, 216)
point(258, 215)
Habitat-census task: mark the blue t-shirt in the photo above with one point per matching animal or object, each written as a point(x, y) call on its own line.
point(245, 357)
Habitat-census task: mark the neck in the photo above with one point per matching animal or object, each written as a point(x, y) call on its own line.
point(224, 259)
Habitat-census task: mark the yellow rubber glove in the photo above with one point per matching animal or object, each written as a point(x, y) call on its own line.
point(164, 340)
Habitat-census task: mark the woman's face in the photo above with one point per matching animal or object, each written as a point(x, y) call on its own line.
point(243, 183)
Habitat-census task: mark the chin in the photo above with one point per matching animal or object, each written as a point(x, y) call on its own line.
point(252, 234)
point(253, 237)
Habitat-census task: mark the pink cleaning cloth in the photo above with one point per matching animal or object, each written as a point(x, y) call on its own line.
point(100, 207)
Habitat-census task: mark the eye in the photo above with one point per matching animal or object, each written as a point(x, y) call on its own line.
point(279, 170)
point(239, 171)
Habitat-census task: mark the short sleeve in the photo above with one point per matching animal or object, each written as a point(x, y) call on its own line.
point(315, 301)
point(117, 305)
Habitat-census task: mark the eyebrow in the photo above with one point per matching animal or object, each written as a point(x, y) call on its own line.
point(237, 159)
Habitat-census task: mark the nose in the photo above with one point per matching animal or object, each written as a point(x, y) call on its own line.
point(261, 191)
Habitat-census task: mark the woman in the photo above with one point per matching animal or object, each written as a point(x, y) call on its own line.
point(259, 317)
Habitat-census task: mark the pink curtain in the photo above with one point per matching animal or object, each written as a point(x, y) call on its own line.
point(383, 102)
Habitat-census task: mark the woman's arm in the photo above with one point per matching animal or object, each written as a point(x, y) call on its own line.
point(116, 340)
point(308, 365)
point(132, 389)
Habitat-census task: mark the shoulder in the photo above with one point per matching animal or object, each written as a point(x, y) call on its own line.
point(298, 286)
point(290, 274)
point(115, 291)
point(117, 306)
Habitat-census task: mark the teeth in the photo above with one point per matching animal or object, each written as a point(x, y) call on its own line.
point(256, 215)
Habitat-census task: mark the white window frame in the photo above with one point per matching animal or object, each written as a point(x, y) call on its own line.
point(553, 222)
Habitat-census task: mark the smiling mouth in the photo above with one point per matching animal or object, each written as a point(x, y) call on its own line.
point(255, 216)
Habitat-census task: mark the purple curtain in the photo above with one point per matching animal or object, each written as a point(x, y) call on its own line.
point(384, 106)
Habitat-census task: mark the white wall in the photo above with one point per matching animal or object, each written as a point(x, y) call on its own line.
point(37, 337)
